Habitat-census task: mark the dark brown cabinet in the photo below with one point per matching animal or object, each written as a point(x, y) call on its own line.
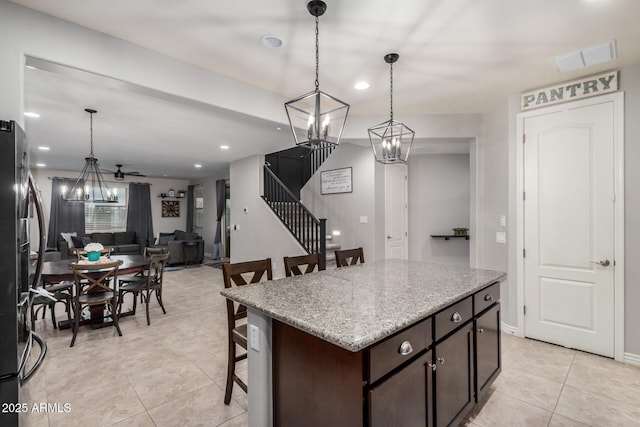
point(488, 358)
point(405, 398)
point(454, 391)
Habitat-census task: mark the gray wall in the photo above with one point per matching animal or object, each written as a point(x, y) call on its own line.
point(208, 231)
point(259, 233)
point(343, 211)
point(439, 200)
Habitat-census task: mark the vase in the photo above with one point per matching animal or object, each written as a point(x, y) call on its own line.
point(93, 256)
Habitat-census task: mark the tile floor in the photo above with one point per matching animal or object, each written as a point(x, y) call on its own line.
point(172, 373)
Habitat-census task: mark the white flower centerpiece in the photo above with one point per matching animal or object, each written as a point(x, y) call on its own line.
point(93, 251)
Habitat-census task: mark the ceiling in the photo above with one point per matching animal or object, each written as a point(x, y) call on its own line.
point(456, 56)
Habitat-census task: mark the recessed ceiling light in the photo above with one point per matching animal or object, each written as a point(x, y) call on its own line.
point(32, 114)
point(278, 128)
point(224, 147)
point(41, 165)
point(164, 174)
point(43, 148)
point(272, 42)
point(31, 67)
point(197, 166)
point(361, 85)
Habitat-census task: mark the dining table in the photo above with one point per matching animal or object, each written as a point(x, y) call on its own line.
point(59, 271)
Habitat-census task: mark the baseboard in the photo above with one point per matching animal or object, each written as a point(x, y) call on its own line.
point(512, 330)
point(632, 359)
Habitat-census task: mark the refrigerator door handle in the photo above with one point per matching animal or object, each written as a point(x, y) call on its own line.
point(37, 201)
point(43, 352)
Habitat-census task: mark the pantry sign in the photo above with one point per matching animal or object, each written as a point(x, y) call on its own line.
point(570, 91)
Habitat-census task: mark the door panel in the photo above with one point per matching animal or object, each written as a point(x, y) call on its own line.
point(396, 212)
point(569, 213)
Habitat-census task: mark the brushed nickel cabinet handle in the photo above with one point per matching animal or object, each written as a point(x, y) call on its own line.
point(488, 297)
point(480, 330)
point(432, 366)
point(456, 317)
point(440, 360)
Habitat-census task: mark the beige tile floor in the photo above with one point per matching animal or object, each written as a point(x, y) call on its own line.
point(172, 373)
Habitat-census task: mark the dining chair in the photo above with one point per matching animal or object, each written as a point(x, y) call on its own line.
point(150, 282)
point(237, 333)
point(348, 257)
point(62, 293)
point(96, 284)
point(292, 264)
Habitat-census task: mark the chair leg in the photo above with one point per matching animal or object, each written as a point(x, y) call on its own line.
point(76, 321)
point(159, 298)
point(53, 314)
point(147, 307)
point(231, 368)
point(114, 315)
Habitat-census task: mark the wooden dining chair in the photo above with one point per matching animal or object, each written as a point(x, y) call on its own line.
point(62, 293)
point(348, 257)
point(237, 333)
point(150, 282)
point(292, 264)
point(96, 284)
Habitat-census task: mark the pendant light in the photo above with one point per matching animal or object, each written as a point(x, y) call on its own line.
point(391, 140)
point(316, 118)
point(90, 185)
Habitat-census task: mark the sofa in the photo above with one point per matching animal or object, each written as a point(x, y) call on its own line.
point(120, 243)
point(183, 247)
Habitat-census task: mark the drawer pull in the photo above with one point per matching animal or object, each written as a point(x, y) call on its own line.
point(456, 317)
point(432, 366)
point(440, 360)
point(480, 330)
point(406, 348)
point(488, 297)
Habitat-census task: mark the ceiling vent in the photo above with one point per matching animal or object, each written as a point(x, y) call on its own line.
point(586, 57)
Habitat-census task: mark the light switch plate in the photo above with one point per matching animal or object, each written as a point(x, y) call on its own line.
point(501, 237)
point(254, 337)
point(364, 220)
point(503, 221)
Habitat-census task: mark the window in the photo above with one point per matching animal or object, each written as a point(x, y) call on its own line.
point(198, 220)
point(107, 217)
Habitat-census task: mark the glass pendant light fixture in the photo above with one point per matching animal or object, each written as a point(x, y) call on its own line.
point(316, 118)
point(90, 185)
point(391, 140)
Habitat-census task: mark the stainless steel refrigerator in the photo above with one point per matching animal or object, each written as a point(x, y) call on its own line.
point(21, 350)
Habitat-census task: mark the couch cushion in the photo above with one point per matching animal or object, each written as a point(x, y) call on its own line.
point(183, 235)
point(180, 234)
point(124, 238)
point(67, 238)
point(165, 238)
point(81, 241)
point(129, 249)
point(105, 238)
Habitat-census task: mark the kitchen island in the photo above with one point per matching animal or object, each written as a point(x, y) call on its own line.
point(381, 343)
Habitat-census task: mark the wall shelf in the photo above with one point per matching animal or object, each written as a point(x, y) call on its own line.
point(448, 236)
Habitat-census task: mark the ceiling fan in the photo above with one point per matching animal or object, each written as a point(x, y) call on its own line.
point(119, 174)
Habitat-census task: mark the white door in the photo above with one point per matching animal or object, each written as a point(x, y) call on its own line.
point(396, 211)
point(569, 227)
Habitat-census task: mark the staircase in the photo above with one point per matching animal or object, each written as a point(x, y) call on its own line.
point(296, 166)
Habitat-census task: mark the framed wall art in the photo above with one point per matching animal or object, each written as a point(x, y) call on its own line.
point(336, 181)
point(170, 208)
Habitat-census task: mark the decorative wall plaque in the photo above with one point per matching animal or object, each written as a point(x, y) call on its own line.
point(170, 208)
point(336, 181)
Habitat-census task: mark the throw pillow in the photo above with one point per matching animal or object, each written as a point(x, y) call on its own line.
point(164, 239)
point(77, 242)
point(67, 238)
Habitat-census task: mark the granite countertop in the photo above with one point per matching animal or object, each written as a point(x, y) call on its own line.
point(356, 306)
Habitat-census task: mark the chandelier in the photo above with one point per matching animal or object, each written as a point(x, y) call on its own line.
point(391, 140)
point(90, 185)
point(316, 118)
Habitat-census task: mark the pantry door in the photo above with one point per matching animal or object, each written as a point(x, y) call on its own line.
point(569, 228)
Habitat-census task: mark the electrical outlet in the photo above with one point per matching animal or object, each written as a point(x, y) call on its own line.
point(501, 237)
point(254, 337)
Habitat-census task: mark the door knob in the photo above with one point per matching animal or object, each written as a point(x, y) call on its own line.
point(603, 262)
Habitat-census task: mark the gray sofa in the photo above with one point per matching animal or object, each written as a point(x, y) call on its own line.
point(183, 247)
point(120, 243)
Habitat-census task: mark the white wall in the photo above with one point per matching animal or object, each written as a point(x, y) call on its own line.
point(158, 185)
point(439, 194)
point(343, 211)
point(259, 233)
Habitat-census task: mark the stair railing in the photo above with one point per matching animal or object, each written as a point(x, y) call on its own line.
point(309, 231)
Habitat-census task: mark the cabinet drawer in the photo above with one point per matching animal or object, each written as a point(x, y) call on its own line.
point(486, 297)
point(394, 351)
point(453, 317)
